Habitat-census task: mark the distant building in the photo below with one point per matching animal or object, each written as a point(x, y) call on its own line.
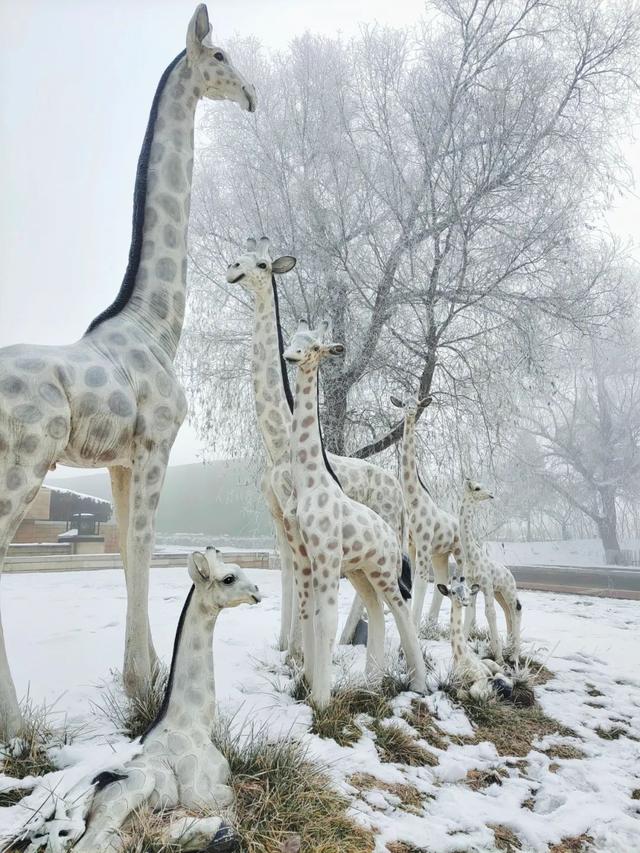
point(63, 521)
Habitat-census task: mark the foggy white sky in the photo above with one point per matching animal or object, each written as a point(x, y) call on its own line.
point(76, 82)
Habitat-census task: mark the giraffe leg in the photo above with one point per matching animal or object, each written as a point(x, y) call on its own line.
point(121, 489)
point(149, 468)
point(20, 486)
point(375, 616)
point(440, 563)
point(490, 613)
point(470, 617)
point(112, 805)
point(286, 587)
point(325, 624)
point(408, 636)
point(201, 779)
point(420, 583)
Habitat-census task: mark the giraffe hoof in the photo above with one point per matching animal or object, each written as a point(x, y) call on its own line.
point(224, 841)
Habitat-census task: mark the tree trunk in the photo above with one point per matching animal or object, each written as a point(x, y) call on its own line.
point(335, 387)
point(608, 528)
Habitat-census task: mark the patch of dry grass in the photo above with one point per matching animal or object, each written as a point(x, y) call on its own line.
point(133, 716)
point(411, 800)
point(337, 720)
point(576, 844)
point(395, 745)
point(592, 690)
point(512, 730)
point(421, 719)
point(635, 794)
point(145, 832)
point(564, 750)
point(28, 755)
point(479, 779)
point(403, 847)
point(281, 793)
point(614, 733)
point(504, 838)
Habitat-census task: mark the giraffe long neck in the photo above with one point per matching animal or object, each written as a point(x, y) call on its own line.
point(458, 644)
point(308, 460)
point(270, 382)
point(409, 460)
point(470, 544)
point(152, 294)
point(191, 686)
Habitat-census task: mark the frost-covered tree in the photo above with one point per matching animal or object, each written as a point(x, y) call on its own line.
point(435, 184)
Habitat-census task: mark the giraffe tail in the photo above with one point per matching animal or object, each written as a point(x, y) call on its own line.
point(404, 580)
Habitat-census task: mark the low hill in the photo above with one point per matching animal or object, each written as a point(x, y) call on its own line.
point(219, 498)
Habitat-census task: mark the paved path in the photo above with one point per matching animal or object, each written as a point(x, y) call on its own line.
point(607, 581)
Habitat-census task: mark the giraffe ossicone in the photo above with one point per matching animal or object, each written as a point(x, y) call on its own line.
point(177, 765)
point(330, 534)
point(112, 398)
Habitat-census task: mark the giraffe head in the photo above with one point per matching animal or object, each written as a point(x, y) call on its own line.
point(476, 491)
point(307, 347)
point(254, 269)
point(459, 591)
point(220, 584)
point(411, 405)
point(212, 67)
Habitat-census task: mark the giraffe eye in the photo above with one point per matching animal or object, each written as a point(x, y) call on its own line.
point(228, 580)
point(262, 265)
point(219, 56)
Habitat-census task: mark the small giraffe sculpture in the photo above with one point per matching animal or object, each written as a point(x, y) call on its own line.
point(178, 765)
point(494, 579)
point(112, 399)
point(330, 533)
point(478, 677)
point(433, 532)
point(366, 483)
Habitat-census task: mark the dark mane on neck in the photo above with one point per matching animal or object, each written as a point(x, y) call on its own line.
point(139, 198)
point(422, 483)
point(283, 366)
point(322, 447)
point(176, 645)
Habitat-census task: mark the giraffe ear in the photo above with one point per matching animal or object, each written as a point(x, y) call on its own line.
point(199, 28)
point(443, 589)
point(198, 566)
point(284, 264)
point(426, 401)
point(395, 402)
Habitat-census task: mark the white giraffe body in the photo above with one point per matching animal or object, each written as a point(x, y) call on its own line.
point(329, 534)
point(494, 579)
point(361, 480)
point(176, 765)
point(112, 398)
point(434, 535)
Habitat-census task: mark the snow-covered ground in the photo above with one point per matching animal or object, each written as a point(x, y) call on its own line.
point(567, 552)
point(65, 633)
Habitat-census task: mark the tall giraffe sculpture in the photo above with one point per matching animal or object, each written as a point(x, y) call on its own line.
point(331, 534)
point(366, 483)
point(433, 532)
point(112, 399)
point(176, 764)
point(494, 579)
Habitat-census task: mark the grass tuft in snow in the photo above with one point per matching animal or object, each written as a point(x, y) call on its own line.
point(614, 733)
point(564, 750)
point(396, 679)
point(477, 780)
point(504, 839)
point(281, 793)
point(395, 745)
point(635, 794)
point(511, 729)
point(337, 721)
point(433, 631)
point(403, 847)
point(575, 844)
point(146, 832)
point(411, 800)
point(28, 755)
point(422, 720)
point(133, 716)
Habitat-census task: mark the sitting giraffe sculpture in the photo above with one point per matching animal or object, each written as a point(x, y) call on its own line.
point(112, 399)
point(494, 579)
point(478, 677)
point(178, 765)
point(330, 533)
point(433, 532)
point(366, 483)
